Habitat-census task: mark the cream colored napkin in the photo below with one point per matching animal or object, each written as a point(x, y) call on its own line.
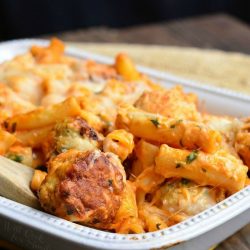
point(223, 69)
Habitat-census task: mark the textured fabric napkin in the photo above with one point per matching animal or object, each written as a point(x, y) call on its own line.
point(214, 67)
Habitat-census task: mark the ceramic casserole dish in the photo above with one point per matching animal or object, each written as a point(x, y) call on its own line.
point(34, 229)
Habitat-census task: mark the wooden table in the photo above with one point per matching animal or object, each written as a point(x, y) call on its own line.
point(214, 31)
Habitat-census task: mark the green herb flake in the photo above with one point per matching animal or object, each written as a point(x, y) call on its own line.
point(178, 165)
point(14, 157)
point(98, 92)
point(109, 124)
point(41, 167)
point(70, 210)
point(185, 181)
point(95, 221)
point(155, 122)
point(192, 156)
point(110, 182)
point(198, 126)
point(63, 149)
point(175, 124)
point(158, 226)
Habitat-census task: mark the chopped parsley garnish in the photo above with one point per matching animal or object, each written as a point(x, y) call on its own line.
point(14, 157)
point(178, 165)
point(70, 210)
point(95, 221)
point(185, 181)
point(199, 126)
point(110, 182)
point(158, 226)
point(98, 92)
point(155, 122)
point(109, 124)
point(41, 167)
point(192, 156)
point(175, 124)
point(62, 149)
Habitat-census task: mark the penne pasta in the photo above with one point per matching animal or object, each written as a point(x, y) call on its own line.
point(6, 140)
point(37, 180)
point(119, 142)
point(126, 68)
point(153, 217)
point(146, 153)
point(33, 138)
point(52, 54)
point(42, 117)
point(219, 169)
point(149, 180)
point(175, 133)
point(127, 220)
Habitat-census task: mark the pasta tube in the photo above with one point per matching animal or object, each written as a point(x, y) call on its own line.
point(153, 217)
point(126, 220)
point(146, 153)
point(33, 138)
point(175, 133)
point(42, 117)
point(119, 142)
point(37, 179)
point(148, 180)
point(125, 67)
point(220, 169)
point(51, 54)
point(136, 169)
point(6, 140)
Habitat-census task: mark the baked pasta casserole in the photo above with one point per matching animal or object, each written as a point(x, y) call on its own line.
point(111, 148)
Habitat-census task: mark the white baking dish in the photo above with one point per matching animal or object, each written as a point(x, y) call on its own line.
point(33, 229)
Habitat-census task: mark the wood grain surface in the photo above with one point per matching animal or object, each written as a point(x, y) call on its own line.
point(215, 31)
point(211, 32)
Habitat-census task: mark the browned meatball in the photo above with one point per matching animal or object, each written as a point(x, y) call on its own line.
point(86, 187)
point(71, 133)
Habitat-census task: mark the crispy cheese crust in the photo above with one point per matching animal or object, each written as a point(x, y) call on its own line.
point(170, 103)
